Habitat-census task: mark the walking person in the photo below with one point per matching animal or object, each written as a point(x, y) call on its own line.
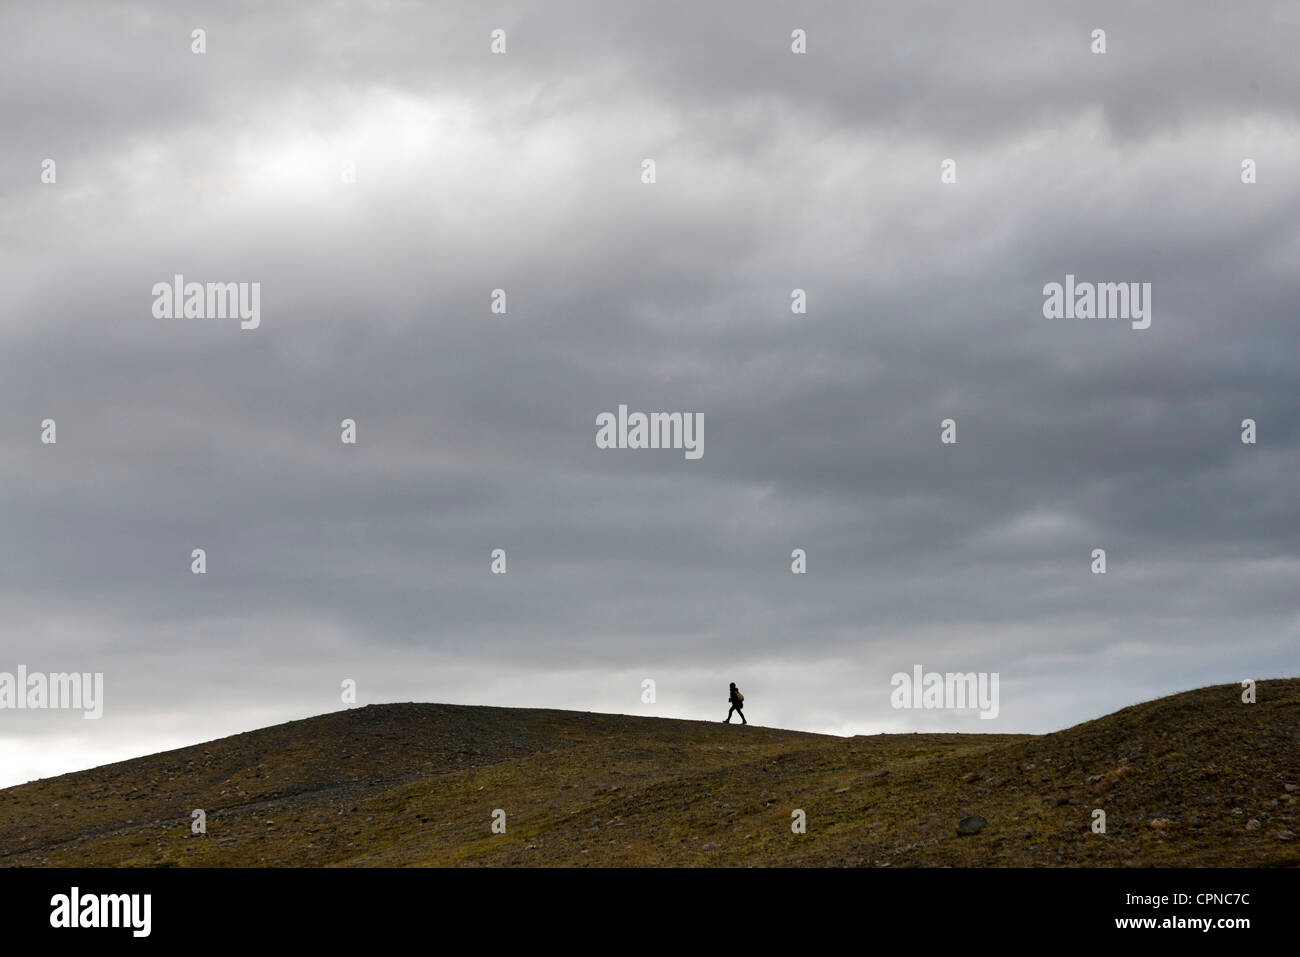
point(737, 702)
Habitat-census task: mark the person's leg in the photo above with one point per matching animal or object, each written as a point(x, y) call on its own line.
point(729, 710)
point(742, 717)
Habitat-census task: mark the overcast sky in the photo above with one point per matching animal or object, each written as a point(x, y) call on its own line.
point(476, 431)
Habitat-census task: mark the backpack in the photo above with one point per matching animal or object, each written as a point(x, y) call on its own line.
point(740, 698)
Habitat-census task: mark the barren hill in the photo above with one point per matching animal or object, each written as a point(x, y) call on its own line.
point(1196, 778)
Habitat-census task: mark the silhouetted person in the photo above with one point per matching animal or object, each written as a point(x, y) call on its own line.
point(737, 702)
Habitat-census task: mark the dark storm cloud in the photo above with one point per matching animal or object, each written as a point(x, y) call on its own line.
point(477, 431)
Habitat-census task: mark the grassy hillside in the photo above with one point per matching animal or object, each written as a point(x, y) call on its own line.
point(1192, 779)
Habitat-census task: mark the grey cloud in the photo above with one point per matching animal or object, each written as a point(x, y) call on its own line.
point(477, 431)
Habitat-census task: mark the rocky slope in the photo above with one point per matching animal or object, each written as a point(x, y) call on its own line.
point(1196, 779)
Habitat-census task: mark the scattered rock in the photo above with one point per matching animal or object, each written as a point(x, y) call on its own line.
point(1253, 824)
point(970, 777)
point(1161, 823)
point(1112, 778)
point(840, 790)
point(971, 825)
point(1285, 835)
